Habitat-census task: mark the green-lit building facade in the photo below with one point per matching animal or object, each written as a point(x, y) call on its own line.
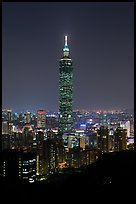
point(65, 91)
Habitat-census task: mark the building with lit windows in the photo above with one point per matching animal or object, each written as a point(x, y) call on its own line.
point(120, 139)
point(6, 121)
point(103, 139)
point(41, 119)
point(6, 115)
point(18, 166)
point(126, 125)
point(27, 117)
point(37, 147)
point(65, 91)
point(54, 153)
point(91, 139)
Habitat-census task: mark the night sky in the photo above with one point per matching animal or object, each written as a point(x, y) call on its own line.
point(101, 42)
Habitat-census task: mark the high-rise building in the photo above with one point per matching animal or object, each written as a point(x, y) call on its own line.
point(27, 117)
point(126, 125)
point(41, 119)
point(38, 149)
point(65, 91)
point(103, 139)
point(6, 121)
point(20, 117)
point(5, 127)
point(120, 141)
point(54, 153)
point(18, 166)
point(6, 115)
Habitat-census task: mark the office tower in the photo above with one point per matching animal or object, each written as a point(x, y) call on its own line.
point(111, 140)
point(34, 120)
point(91, 139)
point(27, 117)
point(37, 147)
point(126, 125)
point(103, 119)
point(21, 118)
point(27, 167)
point(18, 166)
point(72, 141)
point(65, 91)
point(5, 127)
point(90, 156)
point(6, 115)
point(82, 142)
point(41, 119)
point(103, 139)
point(120, 139)
point(6, 121)
point(54, 153)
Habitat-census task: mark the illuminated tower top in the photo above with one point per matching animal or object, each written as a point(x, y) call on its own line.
point(66, 48)
point(66, 40)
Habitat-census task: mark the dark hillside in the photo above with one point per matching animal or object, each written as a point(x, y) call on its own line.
point(112, 175)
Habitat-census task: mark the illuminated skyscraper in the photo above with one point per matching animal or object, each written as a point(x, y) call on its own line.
point(18, 166)
point(27, 117)
point(65, 91)
point(120, 141)
point(41, 119)
point(103, 139)
point(6, 115)
point(126, 125)
point(6, 121)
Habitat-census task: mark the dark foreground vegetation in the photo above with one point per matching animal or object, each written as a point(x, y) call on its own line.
point(110, 178)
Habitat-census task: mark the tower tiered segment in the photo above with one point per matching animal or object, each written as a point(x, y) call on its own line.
point(65, 91)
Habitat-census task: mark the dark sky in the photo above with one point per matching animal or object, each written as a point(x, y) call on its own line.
point(101, 42)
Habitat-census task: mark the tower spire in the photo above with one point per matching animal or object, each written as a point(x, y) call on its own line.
point(66, 48)
point(66, 40)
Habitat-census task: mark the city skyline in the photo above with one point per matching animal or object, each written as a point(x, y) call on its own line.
point(101, 40)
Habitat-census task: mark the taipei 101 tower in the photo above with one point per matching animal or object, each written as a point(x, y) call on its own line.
point(65, 91)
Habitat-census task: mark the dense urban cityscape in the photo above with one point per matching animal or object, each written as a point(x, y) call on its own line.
point(43, 143)
point(33, 150)
point(69, 150)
